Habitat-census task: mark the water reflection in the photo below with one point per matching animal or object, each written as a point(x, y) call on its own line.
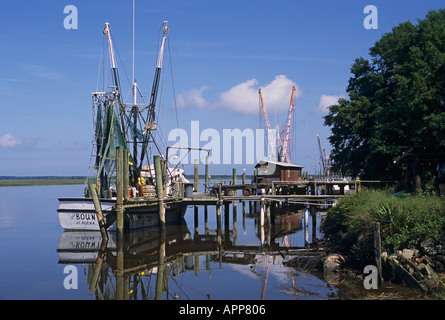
point(212, 260)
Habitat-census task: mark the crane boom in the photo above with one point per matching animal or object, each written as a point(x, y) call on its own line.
point(270, 138)
point(286, 140)
point(321, 155)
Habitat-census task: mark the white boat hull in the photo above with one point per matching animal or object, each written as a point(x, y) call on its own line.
point(80, 214)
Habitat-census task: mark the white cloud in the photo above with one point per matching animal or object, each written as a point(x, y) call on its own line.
point(9, 141)
point(277, 94)
point(326, 101)
point(244, 98)
point(192, 98)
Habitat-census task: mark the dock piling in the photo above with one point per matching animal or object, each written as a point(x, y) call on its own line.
point(196, 175)
point(207, 175)
point(98, 209)
point(126, 174)
point(160, 190)
point(120, 191)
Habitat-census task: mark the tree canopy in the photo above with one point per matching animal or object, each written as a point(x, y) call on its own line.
point(396, 100)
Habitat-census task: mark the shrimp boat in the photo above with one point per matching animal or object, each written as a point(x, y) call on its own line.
point(131, 126)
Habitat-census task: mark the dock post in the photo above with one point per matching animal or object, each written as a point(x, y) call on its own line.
point(126, 175)
point(98, 208)
point(218, 222)
point(233, 183)
point(196, 175)
point(378, 251)
point(262, 212)
point(313, 210)
point(207, 175)
point(119, 272)
point(120, 191)
point(235, 226)
point(306, 224)
point(161, 269)
point(196, 220)
point(160, 190)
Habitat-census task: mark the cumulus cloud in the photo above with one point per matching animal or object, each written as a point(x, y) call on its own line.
point(192, 98)
point(9, 141)
point(243, 98)
point(327, 101)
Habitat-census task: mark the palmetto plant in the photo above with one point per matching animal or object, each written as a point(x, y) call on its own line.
point(391, 217)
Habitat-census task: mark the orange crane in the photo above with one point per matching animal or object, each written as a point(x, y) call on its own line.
point(286, 154)
point(282, 144)
point(272, 141)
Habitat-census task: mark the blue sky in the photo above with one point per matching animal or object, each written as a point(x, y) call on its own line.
point(220, 54)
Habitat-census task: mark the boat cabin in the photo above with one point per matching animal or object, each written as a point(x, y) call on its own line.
point(268, 171)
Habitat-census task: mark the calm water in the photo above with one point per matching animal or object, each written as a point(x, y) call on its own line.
point(35, 251)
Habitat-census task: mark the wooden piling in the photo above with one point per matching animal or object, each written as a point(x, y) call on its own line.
point(161, 269)
point(262, 212)
point(207, 175)
point(306, 224)
point(98, 209)
point(233, 183)
point(120, 191)
point(119, 273)
point(126, 174)
point(160, 190)
point(218, 222)
point(378, 250)
point(196, 175)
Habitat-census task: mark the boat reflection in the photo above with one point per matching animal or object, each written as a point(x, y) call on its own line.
point(145, 262)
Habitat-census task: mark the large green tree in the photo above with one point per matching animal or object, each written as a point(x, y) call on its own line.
point(396, 100)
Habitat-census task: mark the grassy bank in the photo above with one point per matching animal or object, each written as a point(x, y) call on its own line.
point(406, 221)
point(39, 181)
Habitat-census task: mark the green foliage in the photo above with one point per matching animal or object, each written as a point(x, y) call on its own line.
point(395, 100)
point(405, 222)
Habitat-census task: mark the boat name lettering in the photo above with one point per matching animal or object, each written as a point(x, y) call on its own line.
point(85, 216)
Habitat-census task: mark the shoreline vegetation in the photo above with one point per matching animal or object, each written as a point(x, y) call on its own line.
point(412, 235)
point(19, 181)
point(23, 181)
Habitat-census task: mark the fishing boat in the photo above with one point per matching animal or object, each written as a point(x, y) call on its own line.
point(133, 127)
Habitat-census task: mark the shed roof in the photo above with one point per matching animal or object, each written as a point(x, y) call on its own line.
point(436, 152)
point(277, 163)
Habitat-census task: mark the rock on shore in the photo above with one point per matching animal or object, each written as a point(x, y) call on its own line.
point(420, 269)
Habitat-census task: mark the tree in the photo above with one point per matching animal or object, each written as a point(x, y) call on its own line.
point(396, 100)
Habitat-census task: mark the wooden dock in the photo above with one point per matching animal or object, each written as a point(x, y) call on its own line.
point(272, 193)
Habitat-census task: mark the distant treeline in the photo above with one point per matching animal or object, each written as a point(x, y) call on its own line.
point(14, 178)
point(18, 181)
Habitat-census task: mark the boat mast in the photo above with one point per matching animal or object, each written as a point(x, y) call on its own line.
point(134, 109)
point(115, 74)
point(150, 123)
